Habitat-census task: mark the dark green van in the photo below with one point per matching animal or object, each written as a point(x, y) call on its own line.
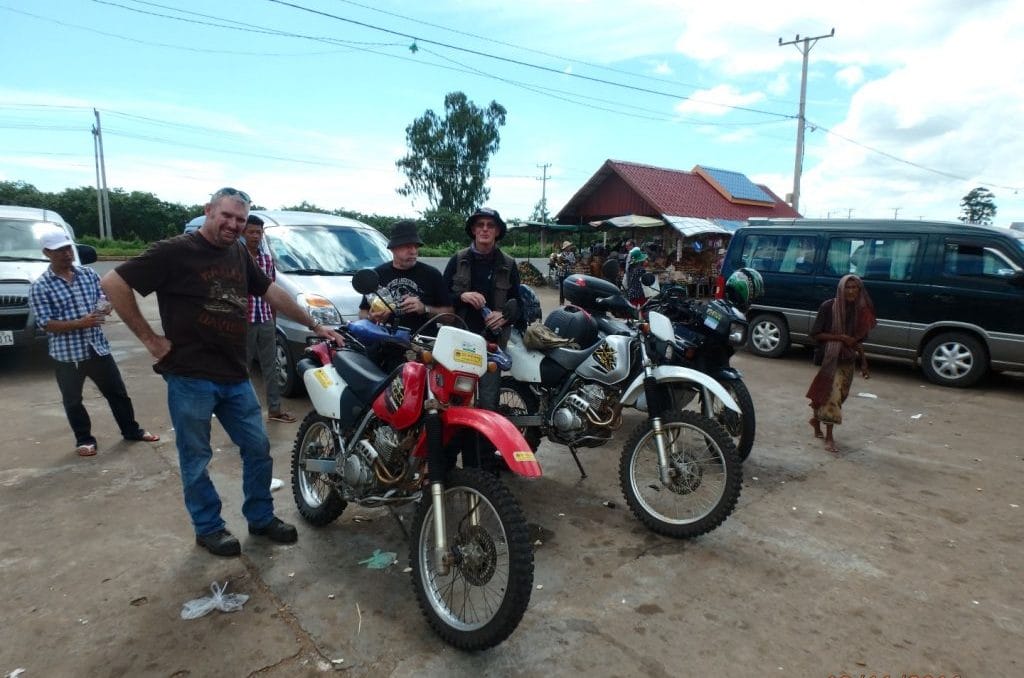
point(948, 295)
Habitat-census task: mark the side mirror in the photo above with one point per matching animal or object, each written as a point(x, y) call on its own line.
point(366, 281)
point(1017, 279)
point(511, 310)
point(86, 254)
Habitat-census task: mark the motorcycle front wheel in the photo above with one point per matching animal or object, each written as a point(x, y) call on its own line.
point(705, 475)
point(315, 496)
point(480, 600)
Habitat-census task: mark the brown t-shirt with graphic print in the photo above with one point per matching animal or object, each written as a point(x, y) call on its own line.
point(203, 293)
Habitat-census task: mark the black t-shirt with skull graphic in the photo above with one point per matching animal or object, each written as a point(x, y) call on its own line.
point(421, 281)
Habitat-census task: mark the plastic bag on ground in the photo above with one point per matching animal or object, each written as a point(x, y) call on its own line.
point(225, 602)
point(379, 560)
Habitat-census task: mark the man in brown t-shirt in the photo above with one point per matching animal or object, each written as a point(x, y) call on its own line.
point(202, 281)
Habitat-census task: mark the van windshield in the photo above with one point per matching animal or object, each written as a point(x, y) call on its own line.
point(326, 250)
point(19, 240)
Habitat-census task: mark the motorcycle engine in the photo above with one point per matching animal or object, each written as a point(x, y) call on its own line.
point(585, 415)
point(379, 460)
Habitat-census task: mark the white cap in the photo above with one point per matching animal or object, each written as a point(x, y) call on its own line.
point(55, 239)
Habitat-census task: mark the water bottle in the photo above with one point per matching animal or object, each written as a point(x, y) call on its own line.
point(486, 311)
point(103, 304)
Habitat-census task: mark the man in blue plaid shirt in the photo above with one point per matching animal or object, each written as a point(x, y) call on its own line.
point(68, 304)
point(261, 338)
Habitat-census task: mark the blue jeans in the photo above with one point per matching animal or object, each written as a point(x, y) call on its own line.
point(191, 403)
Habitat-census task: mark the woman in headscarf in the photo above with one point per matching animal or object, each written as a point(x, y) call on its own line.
point(840, 328)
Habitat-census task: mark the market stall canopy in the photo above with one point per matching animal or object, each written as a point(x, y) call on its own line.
point(689, 227)
point(628, 221)
point(538, 226)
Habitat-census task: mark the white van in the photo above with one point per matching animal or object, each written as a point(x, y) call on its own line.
point(21, 262)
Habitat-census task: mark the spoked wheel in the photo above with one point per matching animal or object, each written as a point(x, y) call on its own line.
point(704, 476)
point(740, 427)
point(475, 598)
point(315, 496)
point(516, 399)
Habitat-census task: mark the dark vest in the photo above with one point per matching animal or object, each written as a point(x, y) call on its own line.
point(462, 281)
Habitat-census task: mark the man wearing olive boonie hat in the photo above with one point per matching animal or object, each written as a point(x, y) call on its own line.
point(416, 289)
point(482, 278)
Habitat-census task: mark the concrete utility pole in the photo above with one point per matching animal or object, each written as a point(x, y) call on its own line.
point(105, 224)
point(544, 189)
point(544, 202)
point(99, 184)
point(804, 45)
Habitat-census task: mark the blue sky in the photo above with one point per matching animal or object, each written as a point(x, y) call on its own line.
point(910, 105)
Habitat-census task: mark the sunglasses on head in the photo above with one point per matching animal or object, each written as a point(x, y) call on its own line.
point(232, 192)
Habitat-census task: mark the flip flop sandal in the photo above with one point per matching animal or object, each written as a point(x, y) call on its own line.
point(86, 450)
point(285, 417)
point(149, 437)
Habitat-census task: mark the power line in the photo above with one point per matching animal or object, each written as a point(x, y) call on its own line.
point(910, 163)
point(519, 62)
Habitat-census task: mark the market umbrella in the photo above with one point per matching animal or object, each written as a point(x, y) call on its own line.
point(629, 221)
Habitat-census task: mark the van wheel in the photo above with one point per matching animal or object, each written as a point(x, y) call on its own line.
point(289, 382)
point(954, 359)
point(769, 337)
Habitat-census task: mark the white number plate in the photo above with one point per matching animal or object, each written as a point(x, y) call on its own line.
point(6, 338)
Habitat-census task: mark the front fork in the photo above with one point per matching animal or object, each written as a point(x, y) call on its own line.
point(436, 464)
point(656, 405)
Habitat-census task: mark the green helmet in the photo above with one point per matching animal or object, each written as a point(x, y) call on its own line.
point(743, 287)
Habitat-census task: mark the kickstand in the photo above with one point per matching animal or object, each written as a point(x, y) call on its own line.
point(398, 519)
point(583, 474)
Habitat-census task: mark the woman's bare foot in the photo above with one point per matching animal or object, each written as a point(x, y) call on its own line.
point(816, 425)
point(830, 446)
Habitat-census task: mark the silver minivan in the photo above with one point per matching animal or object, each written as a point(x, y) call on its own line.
point(21, 262)
point(315, 256)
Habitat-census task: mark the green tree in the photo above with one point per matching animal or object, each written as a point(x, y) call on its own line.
point(448, 156)
point(540, 211)
point(978, 207)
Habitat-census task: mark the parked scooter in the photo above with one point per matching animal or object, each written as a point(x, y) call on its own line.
point(679, 471)
point(379, 439)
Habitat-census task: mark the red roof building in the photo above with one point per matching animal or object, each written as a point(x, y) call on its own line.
point(620, 188)
point(698, 210)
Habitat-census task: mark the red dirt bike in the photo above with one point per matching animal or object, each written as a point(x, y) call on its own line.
point(379, 439)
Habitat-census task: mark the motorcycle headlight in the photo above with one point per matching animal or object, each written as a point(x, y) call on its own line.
point(320, 309)
point(736, 333)
point(669, 351)
point(464, 384)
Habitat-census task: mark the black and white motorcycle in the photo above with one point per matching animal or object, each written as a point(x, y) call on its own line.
point(679, 470)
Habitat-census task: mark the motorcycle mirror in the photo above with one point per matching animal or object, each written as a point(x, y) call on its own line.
point(610, 269)
point(365, 281)
point(510, 310)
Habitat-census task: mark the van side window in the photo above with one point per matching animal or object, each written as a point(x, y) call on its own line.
point(873, 258)
point(974, 260)
point(771, 253)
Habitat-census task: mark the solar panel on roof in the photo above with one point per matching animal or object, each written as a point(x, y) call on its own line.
point(737, 185)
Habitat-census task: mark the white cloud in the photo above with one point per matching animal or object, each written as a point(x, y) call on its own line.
point(850, 76)
point(717, 100)
point(662, 68)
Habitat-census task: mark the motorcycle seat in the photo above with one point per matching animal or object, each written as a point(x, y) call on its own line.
point(607, 326)
point(362, 375)
point(570, 358)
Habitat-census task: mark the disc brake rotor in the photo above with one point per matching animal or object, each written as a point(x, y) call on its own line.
point(476, 555)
